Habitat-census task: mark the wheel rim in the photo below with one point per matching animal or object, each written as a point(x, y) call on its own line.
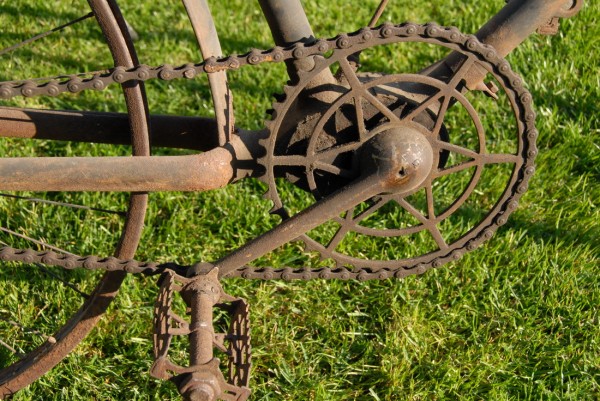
point(36, 363)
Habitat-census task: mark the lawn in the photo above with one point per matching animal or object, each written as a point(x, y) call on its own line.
point(516, 319)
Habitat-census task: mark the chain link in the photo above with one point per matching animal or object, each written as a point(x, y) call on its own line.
point(384, 34)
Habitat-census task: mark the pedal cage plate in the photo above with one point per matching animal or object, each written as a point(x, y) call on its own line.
point(231, 338)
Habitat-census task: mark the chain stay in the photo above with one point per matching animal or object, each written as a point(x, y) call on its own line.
point(379, 35)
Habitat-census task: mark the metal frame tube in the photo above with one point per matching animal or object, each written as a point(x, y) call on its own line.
point(289, 24)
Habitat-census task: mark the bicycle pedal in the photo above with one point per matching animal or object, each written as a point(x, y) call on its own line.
point(210, 309)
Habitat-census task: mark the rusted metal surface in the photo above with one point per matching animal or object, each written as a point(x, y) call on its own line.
point(201, 172)
point(389, 34)
point(202, 380)
point(206, 34)
point(289, 26)
point(42, 359)
point(396, 160)
point(399, 153)
point(290, 155)
point(518, 20)
point(184, 132)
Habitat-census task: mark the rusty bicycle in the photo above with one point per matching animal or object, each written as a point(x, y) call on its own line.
point(423, 165)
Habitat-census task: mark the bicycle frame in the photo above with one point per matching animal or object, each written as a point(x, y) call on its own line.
point(228, 162)
point(229, 154)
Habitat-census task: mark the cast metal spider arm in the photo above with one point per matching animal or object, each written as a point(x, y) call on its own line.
point(397, 161)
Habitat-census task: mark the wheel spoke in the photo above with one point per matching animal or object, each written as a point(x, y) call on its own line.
point(65, 282)
point(65, 204)
point(428, 223)
point(44, 34)
point(8, 347)
point(424, 105)
point(290, 160)
point(477, 161)
point(412, 210)
point(441, 114)
point(380, 8)
point(337, 150)
point(38, 242)
point(498, 158)
point(459, 74)
point(446, 92)
point(378, 204)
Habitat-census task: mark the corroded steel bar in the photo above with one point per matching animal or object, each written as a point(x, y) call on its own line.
point(517, 20)
point(182, 132)
point(505, 31)
point(200, 172)
point(208, 39)
point(397, 160)
point(288, 24)
point(36, 363)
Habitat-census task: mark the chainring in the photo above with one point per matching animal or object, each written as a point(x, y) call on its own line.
point(317, 153)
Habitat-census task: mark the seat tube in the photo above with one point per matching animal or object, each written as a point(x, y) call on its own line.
point(289, 24)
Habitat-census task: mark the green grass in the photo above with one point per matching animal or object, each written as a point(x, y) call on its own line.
point(515, 320)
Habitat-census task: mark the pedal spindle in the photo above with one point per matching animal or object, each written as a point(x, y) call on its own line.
point(203, 379)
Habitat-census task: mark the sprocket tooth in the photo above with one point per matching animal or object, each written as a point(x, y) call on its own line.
point(287, 89)
point(270, 112)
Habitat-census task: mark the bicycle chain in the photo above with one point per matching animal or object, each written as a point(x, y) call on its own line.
point(99, 81)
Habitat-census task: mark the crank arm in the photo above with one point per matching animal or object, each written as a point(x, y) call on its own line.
point(397, 160)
